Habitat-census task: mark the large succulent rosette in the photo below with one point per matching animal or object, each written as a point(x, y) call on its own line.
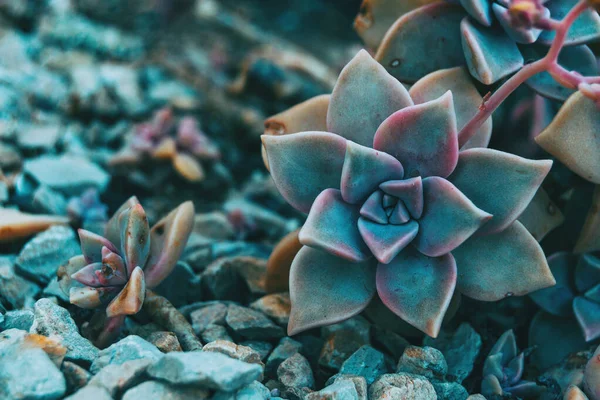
point(396, 209)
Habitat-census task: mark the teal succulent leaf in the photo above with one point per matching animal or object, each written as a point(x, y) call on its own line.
point(558, 299)
point(480, 10)
point(517, 34)
point(387, 241)
point(584, 30)
point(587, 272)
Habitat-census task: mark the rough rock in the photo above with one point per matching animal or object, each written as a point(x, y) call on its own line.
point(130, 348)
point(286, 348)
point(276, 306)
point(41, 256)
point(181, 287)
point(402, 386)
point(390, 341)
point(76, 376)
point(91, 392)
point(15, 290)
point(254, 391)
point(450, 391)
point(215, 332)
point(295, 372)
point(366, 362)
point(425, 361)
point(239, 352)
point(221, 281)
point(164, 341)
point(17, 319)
point(251, 324)
point(206, 370)
point(162, 391)
point(205, 316)
point(261, 347)
point(341, 390)
point(52, 320)
point(116, 378)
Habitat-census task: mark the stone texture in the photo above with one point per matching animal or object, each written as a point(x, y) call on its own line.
point(211, 314)
point(366, 362)
point(286, 348)
point(254, 391)
point(181, 287)
point(18, 319)
point(390, 341)
point(425, 361)
point(76, 376)
point(251, 324)
point(215, 332)
point(89, 393)
point(15, 290)
point(162, 391)
point(164, 341)
point(295, 372)
point(52, 320)
point(221, 281)
point(130, 348)
point(116, 378)
point(230, 349)
point(205, 369)
point(276, 306)
point(261, 347)
point(342, 390)
point(402, 386)
point(450, 391)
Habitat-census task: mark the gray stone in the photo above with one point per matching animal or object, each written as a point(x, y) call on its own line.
point(52, 320)
point(27, 372)
point(296, 372)
point(116, 378)
point(205, 316)
point(18, 319)
point(342, 390)
point(70, 175)
point(357, 326)
point(359, 382)
point(215, 332)
point(164, 341)
point(41, 256)
point(425, 361)
point(205, 369)
point(221, 281)
point(90, 393)
point(276, 306)
point(342, 340)
point(233, 350)
point(366, 362)
point(181, 287)
point(214, 225)
point(152, 390)
point(450, 391)
point(4, 196)
point(252, 270)
point(460, 349)
point(476, 397)
point(402, 386)
point(390, 341)
point(254, 391)
point(76, 376)
point(130, 348)
point(261, 347)
point(286, 348)
point(251, 324)
point(53, 289)
point(48, 201)
point(38, 136)
point(15, 290)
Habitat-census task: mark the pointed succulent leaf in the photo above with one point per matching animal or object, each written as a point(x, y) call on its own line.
point(591, 378)
point(87, 275)
point(188, 167)
point(575, 58)
point(364, 169)
point(587, 272)
point(418, 288)
point(491, 54)
point(409, 191)
point(573, 138)
point(465, 96)
point(332, 226)
point(499, 183)
point(304, 164)
point(310, 115)
point(493, 366)
point(168, 239)
point(65, 271)
point(522, 34)
point(130, 300)
point(400, 214)
point(507, 346)
point(593, 294)
point(372, 209)
point(325, 289)
point(589, 238)
point(389, 202)
point(541, 215)
point(166, 149)
point(557, 299)
point(514, 369)
point(113, 227)
point(574, 393)
point(135, 237)
point(526, 390)
point(480, 10)
point(585, 29)
point(422, 137)
point(490, 386)
point(89, 297)
point(587, 312)
point(438, 25)
point(364, 95)
point(386, 241)
point(449, 218)
point(502, 264)
point(92, 244)
point(114, 262)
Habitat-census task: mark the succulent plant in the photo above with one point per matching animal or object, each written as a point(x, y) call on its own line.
point(503, 370)
point(182, 143)
point(591, 378)
point(396, 208)
point(493, 38)
point(576, 291)
point(114, 271)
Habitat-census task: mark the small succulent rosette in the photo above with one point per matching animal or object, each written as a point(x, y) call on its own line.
point(576, 293)
point(396, 209)
point(503, 371)
point(115, 270)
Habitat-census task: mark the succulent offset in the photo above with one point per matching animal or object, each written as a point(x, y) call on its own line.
point(396, 209)
point(115, 270)
point(503, 370)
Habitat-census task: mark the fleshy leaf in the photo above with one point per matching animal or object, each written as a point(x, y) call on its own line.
point(364, 95)
point(576, 58)
point(519, 35)
point(325, 289)
point(514, 370)
point(587, 312)
point(364, 169)
point(304, 164)
point(480, 10)
point(168, 239)
point(499, 183)
point(507, 346)
point(90, 298)
point(280, 262)
point(386, 241)
point(490, 385)
point(449, 218)
point(493, 366)
point(491, 54)
point(557, 299)
point(409, 191)
point(465, 96)
point(373, 210)
point(418, 288)
point(113, 227)
point(87, 275)
point(400, 214)
point(589, 238)
point(438, 25)
point(422, 137)
point(501, 265)
point(541, 215)
point(332, 226)
point(130, 300)
point(135, 237)
point(573, 138)
point(92, 244)
point(585, 29)
point(587, 272)
point(188, 167)
point(310, 115)
point(594, 294)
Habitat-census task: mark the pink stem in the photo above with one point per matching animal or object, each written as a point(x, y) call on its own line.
point(548, 62)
